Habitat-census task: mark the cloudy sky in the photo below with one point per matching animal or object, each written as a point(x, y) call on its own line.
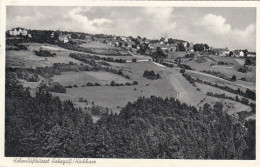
point(234, 28)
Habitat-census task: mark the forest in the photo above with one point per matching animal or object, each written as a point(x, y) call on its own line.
point(45, 126)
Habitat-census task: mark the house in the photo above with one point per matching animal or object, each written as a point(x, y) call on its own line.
point(221, 51)
point(251, 54)
point(18, 31)
point(166, 40)
point(123, 38)
point(64, 38)
point(185, 44)
point(52, 35)
point(241, 54)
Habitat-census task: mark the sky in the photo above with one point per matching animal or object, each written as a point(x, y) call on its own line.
point(230, 27)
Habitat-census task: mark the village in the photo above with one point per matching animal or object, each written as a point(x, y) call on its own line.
point(103, 53)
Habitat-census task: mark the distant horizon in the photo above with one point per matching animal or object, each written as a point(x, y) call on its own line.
point(233, 28)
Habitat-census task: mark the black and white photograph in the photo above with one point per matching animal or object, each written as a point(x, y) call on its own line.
point(130, 82)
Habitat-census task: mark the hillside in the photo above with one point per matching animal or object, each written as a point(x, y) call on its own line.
point(45, 126)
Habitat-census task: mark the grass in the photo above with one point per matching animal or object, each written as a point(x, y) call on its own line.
point(171, 83)
point(227, 70)
point(116, 97)
point(82, 78)
point(28, 59)
point(100, 45)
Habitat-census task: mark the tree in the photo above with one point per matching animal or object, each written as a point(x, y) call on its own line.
point(182, 70)
point(248, 61)
point(234, 78)
point(74, 36)
point(199, 47)
point(206, 46)
point(82, 36)
point(230, 53)
point(181, 47)
point(113, 83)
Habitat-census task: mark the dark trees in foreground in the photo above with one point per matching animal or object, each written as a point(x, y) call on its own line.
point(45, 126)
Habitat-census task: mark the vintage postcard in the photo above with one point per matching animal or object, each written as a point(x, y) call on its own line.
point(129, 83)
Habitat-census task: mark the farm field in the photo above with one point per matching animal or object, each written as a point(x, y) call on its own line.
point(231, 106)
point(82, 78)
point(100, 45)
point(227, 70)
point(28, 59)
point(114, 97)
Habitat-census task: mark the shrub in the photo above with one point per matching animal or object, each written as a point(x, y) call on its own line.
point(135, 83)
point(90, 84)
point(151, 75)
point(234, 78)
point(113, 83)
point(44, 53)
point(56, 87)
point(182, 70)
point(128, 84)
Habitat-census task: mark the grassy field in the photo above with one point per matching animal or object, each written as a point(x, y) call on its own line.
point(231, 106)
point(170, 84)
point(227, 70)
point(28, 59)
point(94, 44)
point(82, 78)
point(116, 97)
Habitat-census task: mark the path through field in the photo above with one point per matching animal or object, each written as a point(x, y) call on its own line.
point(186, 92)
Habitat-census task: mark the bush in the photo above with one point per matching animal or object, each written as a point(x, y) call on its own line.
point(245, 101)
point(56, 87)
point(44, 53)
point(135, 83)
point(182, 70)
point(90, 84)
point(244, 69)
point(189, 78)
point(151, 75)
point(234, 78)
point(185, 66)
point(128, 84)
point(113, 83)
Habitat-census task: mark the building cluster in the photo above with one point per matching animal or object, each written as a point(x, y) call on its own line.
point(130, 43)
point(235, 53)
point(19, 32)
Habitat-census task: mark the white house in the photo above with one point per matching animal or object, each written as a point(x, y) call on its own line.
point(18, 31)
point(185, 44)
point(252, 55)
point(241, 54)
point(52, 35)
point(66, 40)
